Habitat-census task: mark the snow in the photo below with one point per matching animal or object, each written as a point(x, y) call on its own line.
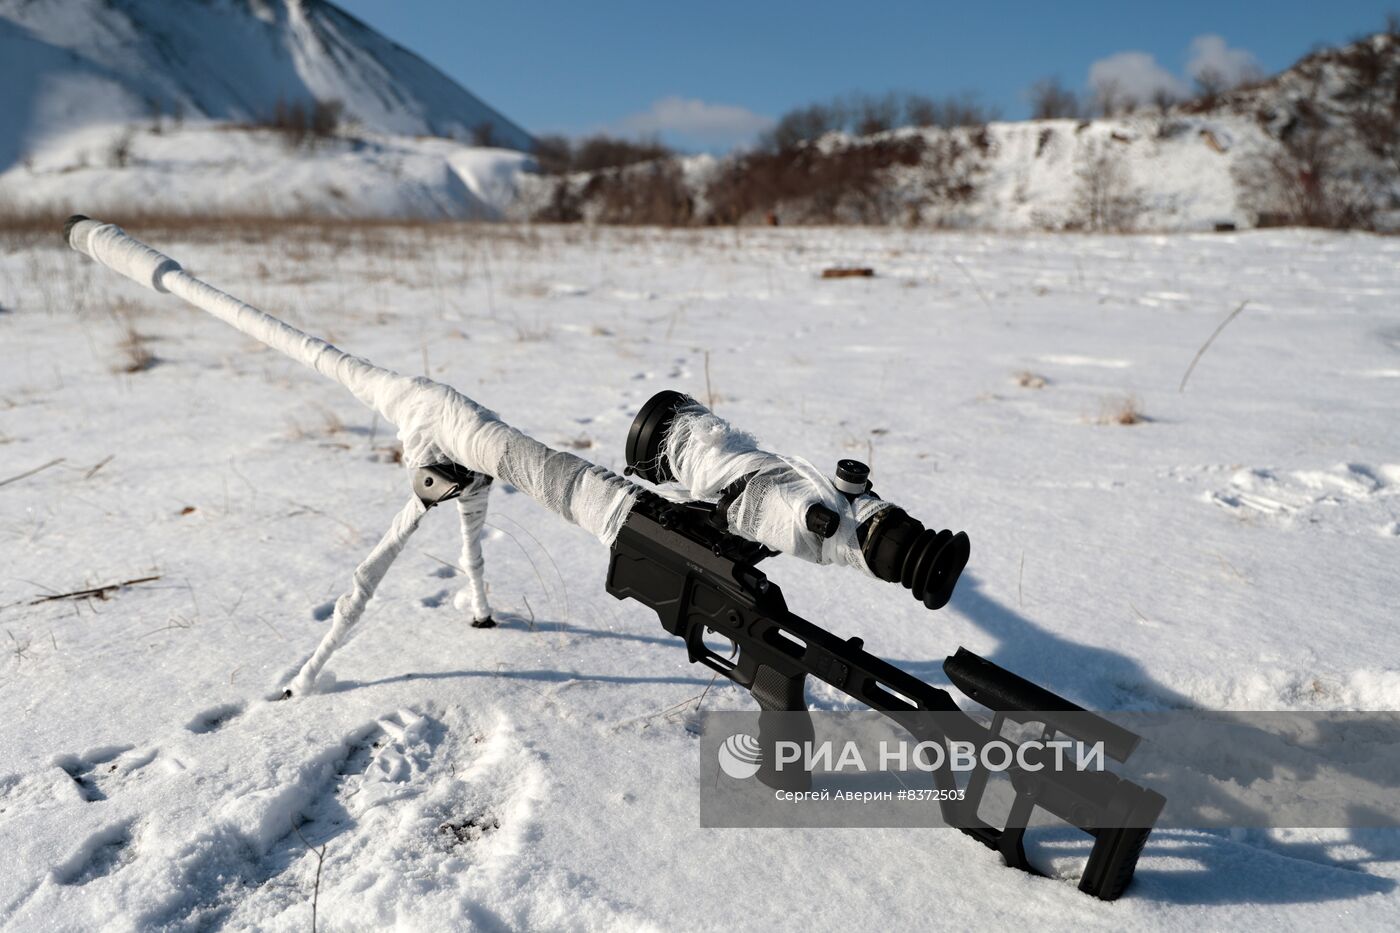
point(1235, 550)
point(211, 169)
point(1172, 173)
point(69, 64)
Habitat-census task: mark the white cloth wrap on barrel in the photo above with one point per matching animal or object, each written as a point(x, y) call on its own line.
point(706, 454)
point(110, 245)
point(435, 422)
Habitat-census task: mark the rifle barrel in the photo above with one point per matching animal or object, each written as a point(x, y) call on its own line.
point(435, 422)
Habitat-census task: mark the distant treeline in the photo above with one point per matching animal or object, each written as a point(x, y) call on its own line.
point(1335, 162)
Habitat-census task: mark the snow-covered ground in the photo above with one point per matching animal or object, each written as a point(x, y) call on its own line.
point(1236, 549)
point(209, 168)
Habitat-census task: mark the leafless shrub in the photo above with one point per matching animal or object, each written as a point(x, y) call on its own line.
point(653, 193)
point(822, 186)
point(533, 331)
point(119, 152)
point(19, 647)
point(803, 125)
point(1371, 69)
point(952, 111)
point(156, 110)
point(1210, 84)
point(1106, 199)
point(1164, 99)
point(1300, 181)
point(565, 205)
point(877, 114)
point(557, 155)
point(1050, 100)
point(867, 115)
point(553, 154)
point(302, 124)
point(136, 354)
point(1126, 411)
point(484, 134)
point(331, 424)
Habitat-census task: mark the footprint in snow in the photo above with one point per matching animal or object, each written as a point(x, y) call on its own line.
point(100, 771)
point(1287, 495)
point(386, 762)
point(214, 719)
point(103, 853)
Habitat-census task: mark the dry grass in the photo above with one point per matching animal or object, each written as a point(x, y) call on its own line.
point(530, 331)
point(1124, 410)
point(305, 235)
point(136, 355)
point(331, 424)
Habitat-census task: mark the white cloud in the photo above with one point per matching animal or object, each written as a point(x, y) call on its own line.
point(1134, 74)
point(1211, 52)
point(1138, 75)
point(697, 122)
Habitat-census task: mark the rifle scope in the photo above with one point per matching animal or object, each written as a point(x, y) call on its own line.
point(893, 545)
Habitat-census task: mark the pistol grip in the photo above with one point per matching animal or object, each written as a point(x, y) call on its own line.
point(784, 718)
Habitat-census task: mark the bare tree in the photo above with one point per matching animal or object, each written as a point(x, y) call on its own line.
point(156, 111)
point(119, 151)
point(1164, 99)
point(802, 124)
point(1050, 100)
point(484, 134)
point(875, 114)
point(599, 152)
point(1302, 182)
point(1210, 84)
point(1107, 199)
point(554, 155)
point(1110, 99)
point(325, 118)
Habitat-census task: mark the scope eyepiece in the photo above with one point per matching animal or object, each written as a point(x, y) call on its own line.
point(648, 431)
point(899, 549)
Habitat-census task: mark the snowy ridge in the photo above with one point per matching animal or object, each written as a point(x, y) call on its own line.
point(66, 64)
point(1172, 174)
point(137, 106)
point(1316, 145)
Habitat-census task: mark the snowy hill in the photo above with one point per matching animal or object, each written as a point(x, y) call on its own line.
point(217, 169)
point(1134, 173)
point(149, 107)
point(69, 64)
point(1316, 145)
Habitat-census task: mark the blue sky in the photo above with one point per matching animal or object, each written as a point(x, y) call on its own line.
point(711, 75)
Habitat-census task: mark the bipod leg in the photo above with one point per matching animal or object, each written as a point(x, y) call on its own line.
point(471, 506)
point(351, 605)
